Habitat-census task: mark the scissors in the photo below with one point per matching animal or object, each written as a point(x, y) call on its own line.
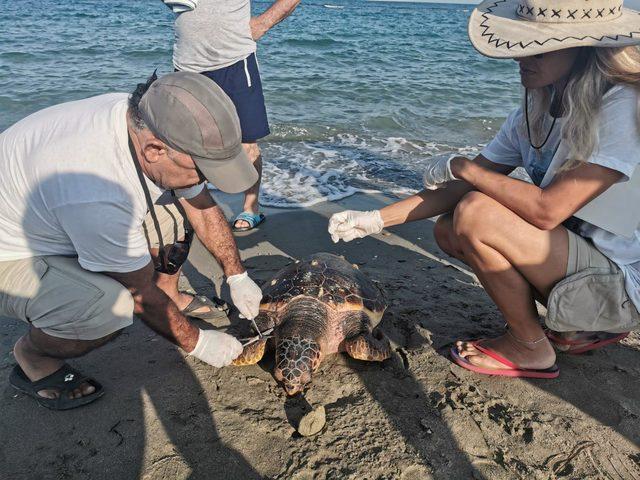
point(261, 335)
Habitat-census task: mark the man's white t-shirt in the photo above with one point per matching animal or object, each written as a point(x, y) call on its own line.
point(214, 35)
point(70, 187)
point(618, 148)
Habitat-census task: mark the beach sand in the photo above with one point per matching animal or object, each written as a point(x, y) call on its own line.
point(416, 416)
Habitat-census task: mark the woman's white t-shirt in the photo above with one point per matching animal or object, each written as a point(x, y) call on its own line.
point(618, 148)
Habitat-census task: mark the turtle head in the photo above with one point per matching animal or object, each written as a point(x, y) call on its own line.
point(296, 360)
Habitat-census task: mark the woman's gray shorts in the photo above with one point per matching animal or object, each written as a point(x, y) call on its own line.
point(592, 297)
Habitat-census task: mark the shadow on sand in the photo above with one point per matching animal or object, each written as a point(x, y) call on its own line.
point(151, 391)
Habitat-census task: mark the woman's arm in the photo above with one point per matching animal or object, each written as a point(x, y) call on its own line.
point(545, 208)
point(429, 203)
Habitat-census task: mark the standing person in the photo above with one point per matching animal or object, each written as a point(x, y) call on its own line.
point(580, 66)
point(87, 240)
point(218, 39)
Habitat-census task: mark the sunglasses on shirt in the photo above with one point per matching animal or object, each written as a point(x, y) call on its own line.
point(171, 259)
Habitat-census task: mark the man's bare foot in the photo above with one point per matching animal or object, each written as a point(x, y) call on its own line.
point(532, 357)
point(241, 224)
point(37, 366)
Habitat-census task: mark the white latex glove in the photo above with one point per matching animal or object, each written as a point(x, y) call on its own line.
point(352, 224)
point(438, 172)
point(216, 348)
point(245, 295)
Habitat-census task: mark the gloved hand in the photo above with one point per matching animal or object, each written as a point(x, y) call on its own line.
point(438, 172)
point(245, 294)
point(216, 348)
point(352, 224)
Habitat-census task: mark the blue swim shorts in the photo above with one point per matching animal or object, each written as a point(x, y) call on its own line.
point(241, 81)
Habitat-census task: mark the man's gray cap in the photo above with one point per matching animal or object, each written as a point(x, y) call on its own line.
point(191, 114)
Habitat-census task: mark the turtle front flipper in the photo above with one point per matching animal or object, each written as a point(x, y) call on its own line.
point(251, 354)
point(367, 347)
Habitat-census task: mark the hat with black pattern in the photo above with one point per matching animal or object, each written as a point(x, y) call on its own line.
point(521, 28)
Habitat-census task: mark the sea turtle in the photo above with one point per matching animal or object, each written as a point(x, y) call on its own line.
point(319, 306)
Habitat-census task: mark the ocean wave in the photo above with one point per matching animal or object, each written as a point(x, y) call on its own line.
point(326, 5)
point(299, 174)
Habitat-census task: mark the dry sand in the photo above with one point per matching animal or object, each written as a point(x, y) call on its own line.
point(414, 417)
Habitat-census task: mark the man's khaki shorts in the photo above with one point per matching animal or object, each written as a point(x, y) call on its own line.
point(172, 225)
point(58, 296)
point(592, 297)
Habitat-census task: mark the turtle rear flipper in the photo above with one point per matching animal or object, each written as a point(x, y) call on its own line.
point(367, 347)
point(251, 354)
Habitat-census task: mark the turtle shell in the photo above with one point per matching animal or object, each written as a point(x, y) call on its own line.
point(330, 279)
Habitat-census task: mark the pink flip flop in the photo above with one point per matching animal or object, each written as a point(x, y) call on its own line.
point(512, 371)
point(597, 340)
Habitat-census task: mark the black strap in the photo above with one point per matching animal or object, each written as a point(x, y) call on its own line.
point(147, 197)
point(188, 231)
point(526, 116)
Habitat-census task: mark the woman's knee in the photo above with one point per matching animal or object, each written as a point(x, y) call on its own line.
point(472, 214)
point(443, 233)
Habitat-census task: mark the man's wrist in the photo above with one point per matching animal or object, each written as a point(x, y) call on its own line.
point(235, 270)
point(189, 344)
point(261, 25)
point(237, 276)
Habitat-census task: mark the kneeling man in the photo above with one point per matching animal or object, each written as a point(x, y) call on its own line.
point(100, 199)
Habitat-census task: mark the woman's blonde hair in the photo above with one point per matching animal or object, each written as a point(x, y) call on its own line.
point(596, 70)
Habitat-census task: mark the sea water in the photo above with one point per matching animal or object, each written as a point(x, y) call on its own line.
point(359, 94)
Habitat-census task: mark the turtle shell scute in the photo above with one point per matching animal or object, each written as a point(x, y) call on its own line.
point(327, 277)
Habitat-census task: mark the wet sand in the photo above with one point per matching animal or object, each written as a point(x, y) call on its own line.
point(416, 416)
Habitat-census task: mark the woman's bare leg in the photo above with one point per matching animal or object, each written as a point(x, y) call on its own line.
point(515, 262)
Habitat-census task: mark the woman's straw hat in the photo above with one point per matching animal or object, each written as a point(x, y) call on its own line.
point(520, 28)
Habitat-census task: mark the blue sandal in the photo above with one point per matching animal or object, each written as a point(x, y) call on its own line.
point(253, 219)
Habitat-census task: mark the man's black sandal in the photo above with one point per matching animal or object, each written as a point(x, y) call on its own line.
point(65, 380)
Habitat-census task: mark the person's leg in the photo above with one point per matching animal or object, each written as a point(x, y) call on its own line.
point(243, 84)
point(39, 355)
point(252, 196)
point(597, 285)
point(169, 285)
point(172, 228)
point(515, 262)
point(71, 311)
point(446, 238)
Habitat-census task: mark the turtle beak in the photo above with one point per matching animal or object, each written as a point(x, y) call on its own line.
point(296, 385)
point(293, 389)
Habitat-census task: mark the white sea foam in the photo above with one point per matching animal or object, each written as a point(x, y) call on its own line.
point(333, 6)
point(303, 173)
